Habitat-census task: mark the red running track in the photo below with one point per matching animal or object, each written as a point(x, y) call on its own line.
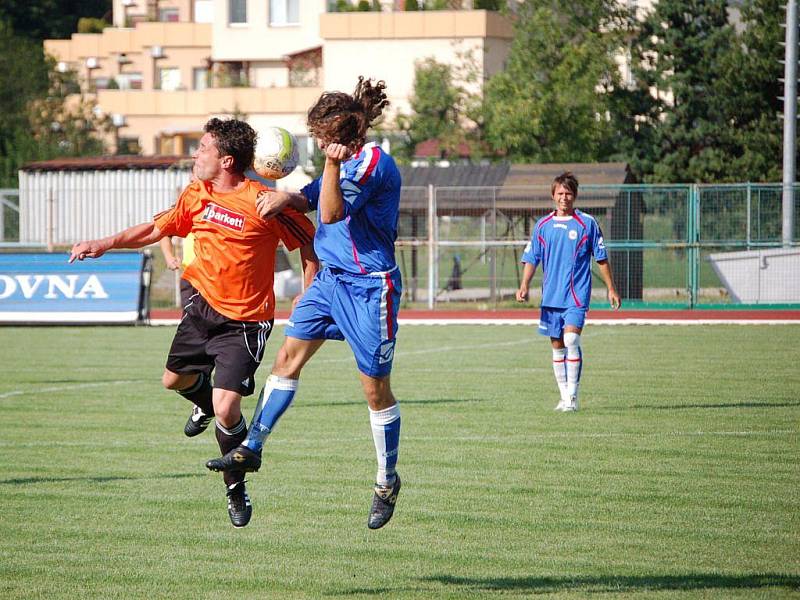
point(593, 315)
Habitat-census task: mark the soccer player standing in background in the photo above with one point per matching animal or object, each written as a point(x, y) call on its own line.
point(564, 242)
point(355, 297)
point(228, 318)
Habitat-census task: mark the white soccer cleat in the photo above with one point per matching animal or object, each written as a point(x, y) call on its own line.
point(571, 405)
point(562, 405)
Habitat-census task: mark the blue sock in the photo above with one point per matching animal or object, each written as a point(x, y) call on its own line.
point(386, 435)
point(276, 396)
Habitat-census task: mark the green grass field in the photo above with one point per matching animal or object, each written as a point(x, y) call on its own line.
point(679, 478)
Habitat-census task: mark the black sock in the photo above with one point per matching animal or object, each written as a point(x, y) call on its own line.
point(228, 439)
point(200, 394)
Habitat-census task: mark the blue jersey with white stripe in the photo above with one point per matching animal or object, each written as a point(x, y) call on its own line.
point(362, 242)
point(564, 246)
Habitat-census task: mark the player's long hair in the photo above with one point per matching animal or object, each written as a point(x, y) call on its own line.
point(234, 138)
point(345, 119)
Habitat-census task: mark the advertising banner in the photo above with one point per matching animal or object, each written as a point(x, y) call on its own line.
point(45, 288)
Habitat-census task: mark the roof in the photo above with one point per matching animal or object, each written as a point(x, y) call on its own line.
point(613, 173)
point(455, 175)
point(519, 189)
point(107, 163)
point(431, 148)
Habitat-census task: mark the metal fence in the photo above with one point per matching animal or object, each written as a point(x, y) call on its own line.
point(670, 245)
point(9, 217)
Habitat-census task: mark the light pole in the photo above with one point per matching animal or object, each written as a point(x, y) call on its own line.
point(789, 121)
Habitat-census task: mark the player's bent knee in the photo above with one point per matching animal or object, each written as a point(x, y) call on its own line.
point(171, 381)
point(572, 339)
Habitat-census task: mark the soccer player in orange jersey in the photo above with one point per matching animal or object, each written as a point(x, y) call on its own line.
point(229, 316)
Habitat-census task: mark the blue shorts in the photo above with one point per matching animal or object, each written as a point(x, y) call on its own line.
point(361, 309)
point(553, 320)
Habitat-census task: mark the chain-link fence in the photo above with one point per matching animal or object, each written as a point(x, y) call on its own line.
point(670, 245)
point(9, 216)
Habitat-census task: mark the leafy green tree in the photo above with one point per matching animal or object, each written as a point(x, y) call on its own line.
point(443, 108)
point(41, 116)
point(23, 78)
point(45, 19)
point(555, 100)
point(679, 58)
point(750, 91)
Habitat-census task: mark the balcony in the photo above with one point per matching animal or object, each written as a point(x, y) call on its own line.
point(456, 24)
point(201, 103)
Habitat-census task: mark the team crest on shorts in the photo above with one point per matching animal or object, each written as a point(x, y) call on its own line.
point(387, 352)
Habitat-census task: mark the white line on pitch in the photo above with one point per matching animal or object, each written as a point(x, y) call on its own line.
point(74, 386)
point(506, 439)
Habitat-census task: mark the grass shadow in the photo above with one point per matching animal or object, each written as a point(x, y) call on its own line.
point(302, 404)
point(718, 405)
point(601, 585)
point(93, 479)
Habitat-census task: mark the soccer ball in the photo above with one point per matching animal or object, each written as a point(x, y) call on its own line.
point(276, 154)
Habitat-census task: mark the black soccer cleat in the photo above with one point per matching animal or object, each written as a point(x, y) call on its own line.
point(239, 508)
point(197, 422)
point(240, 458)
point(383, 501)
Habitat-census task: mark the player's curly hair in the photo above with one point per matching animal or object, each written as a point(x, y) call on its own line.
point(234, 138)
point(345, 119)
point(568, 180)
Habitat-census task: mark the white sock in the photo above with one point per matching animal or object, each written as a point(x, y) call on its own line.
point(574, 362)
point(560, 370)
point(386, 435)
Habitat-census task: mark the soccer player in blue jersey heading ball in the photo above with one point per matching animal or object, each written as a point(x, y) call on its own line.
point(564, 242)
point(356, 296)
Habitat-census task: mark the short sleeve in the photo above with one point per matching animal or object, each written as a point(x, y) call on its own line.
point(533, 251)
point(598, 243)
point(177, 220)
point(360, 178)
point(295, 229)
point(311, 192)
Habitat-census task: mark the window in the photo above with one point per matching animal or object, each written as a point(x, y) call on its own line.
point(129, 81)
point(169, 79)
point(284, 12)
point(101, 83)
point(128, 145)
point(168, 15)
point(237, 12)
point(200, 78)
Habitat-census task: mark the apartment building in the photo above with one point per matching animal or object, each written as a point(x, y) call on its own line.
point(166, 66)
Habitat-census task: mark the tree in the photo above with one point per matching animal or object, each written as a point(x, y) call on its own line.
point(41, 116)
point(23, 78)
point(750, 91)
point(443, 107)
point(45, 19)
point(554, 101)
point(679, 59)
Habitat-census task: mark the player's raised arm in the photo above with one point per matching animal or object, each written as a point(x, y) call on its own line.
point(270, 202)
point(331, 201)
point(137, 236)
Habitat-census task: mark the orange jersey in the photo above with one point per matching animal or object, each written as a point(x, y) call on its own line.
point(234, 246)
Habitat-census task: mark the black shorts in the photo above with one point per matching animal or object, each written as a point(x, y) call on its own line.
point(208, 341)
point(187, 291)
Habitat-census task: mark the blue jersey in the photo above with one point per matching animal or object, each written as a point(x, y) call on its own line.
point(564, 247)
point(362, 242)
